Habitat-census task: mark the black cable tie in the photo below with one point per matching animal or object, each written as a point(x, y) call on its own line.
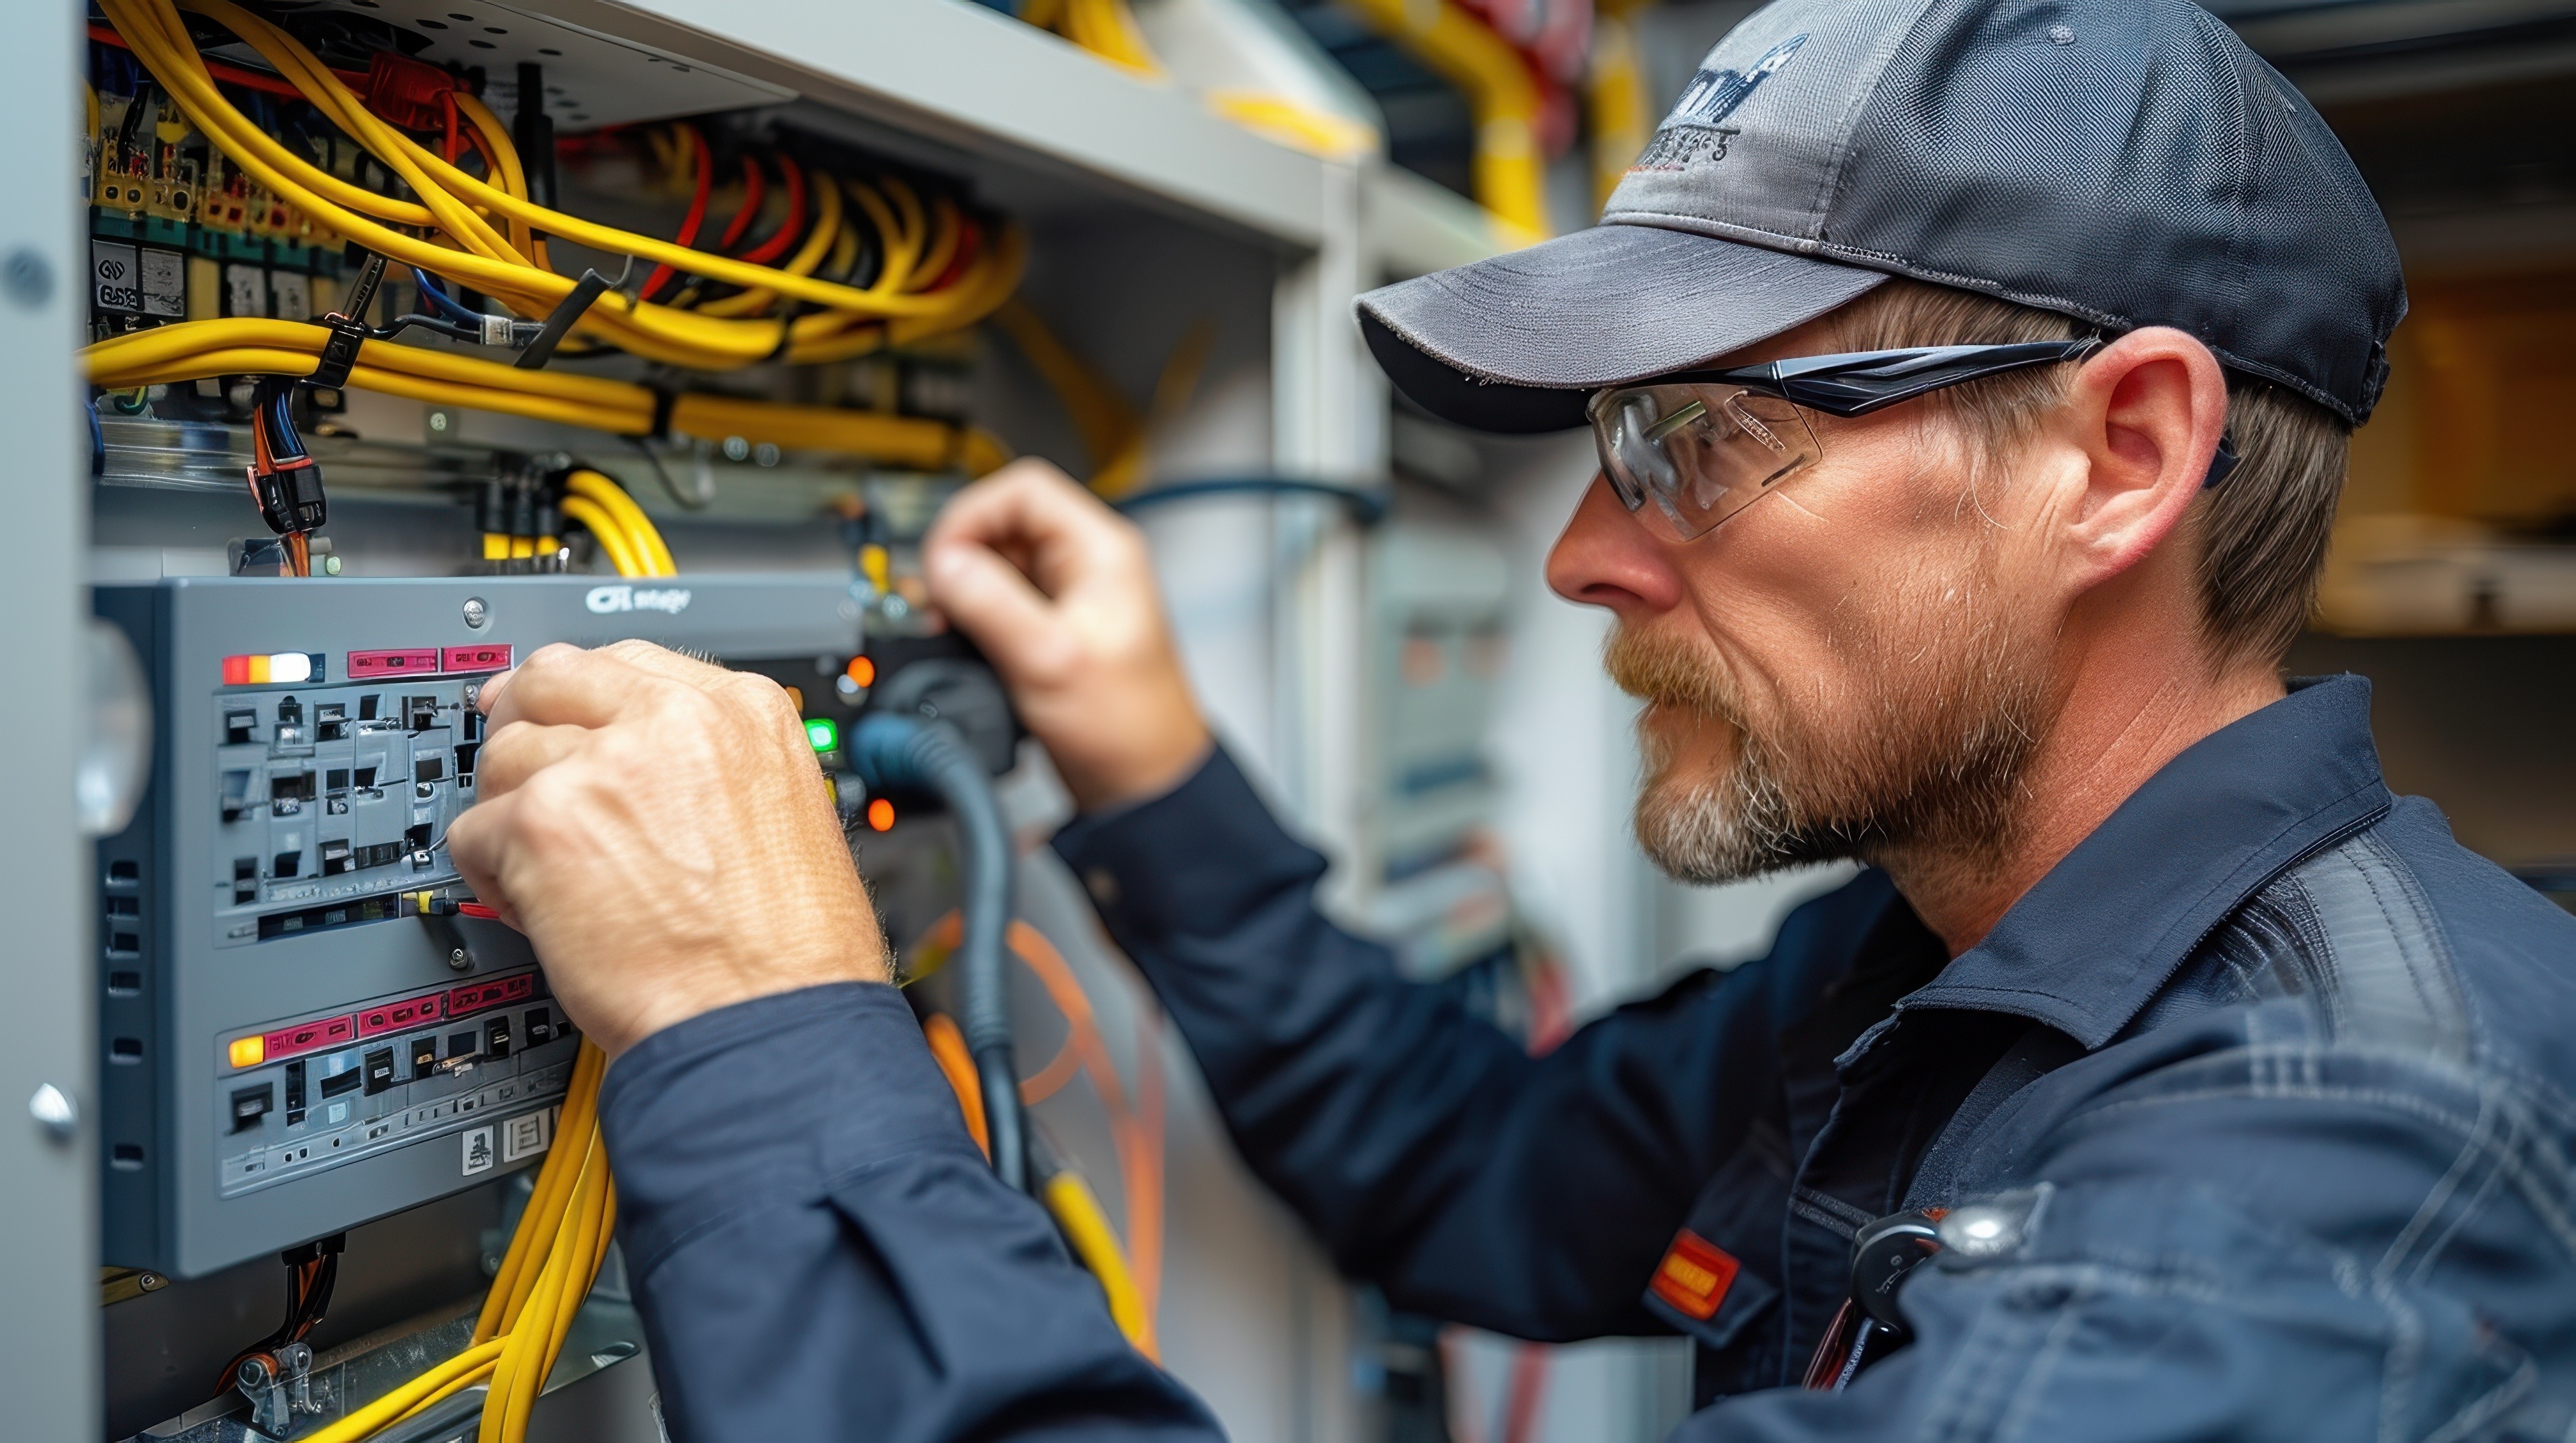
point(665, 400)
point(559, 321)
point(348, 328)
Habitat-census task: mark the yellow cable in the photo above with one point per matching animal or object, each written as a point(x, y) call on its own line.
point(1078, 1213)
point(600, 488)
point(465, 209)
point(1510, 175)
point(610, 536)
point(190, 349)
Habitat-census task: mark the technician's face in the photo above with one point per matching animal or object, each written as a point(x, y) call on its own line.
point(1856, 662)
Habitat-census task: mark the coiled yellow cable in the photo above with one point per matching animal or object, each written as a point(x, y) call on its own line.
point(470, 250)
point(597, 489)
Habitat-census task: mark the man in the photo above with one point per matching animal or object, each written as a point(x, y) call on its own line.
point(2234, 1093)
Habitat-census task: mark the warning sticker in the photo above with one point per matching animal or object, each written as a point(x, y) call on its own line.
point(115, 273)
point(478, 1151)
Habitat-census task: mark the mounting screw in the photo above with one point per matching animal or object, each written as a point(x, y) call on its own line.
point(460, 960)
point(29, 281)
point(330, 566)
point(477, 615)
point(53, 1111)
point(438, 423)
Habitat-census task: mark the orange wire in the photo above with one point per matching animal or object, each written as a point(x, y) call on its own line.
point(948, 1049)
point(1136, 1131)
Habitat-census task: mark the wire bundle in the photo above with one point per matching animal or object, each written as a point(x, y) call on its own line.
point(544, 1277)
point(623, 531)
point(934, 267)
point(312, 1271)
point(486, 234)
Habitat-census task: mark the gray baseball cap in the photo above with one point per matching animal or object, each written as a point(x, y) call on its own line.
point(2125, 162)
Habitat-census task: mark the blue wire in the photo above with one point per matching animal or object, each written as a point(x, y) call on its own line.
point(97, 440)
point(441, 301)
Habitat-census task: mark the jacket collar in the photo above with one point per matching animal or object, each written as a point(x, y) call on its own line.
point(2087, 948)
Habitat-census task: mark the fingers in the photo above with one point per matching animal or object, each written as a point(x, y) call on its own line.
point(991, 601)
point(520, 750)
point(566, 685)
point(1031, 508)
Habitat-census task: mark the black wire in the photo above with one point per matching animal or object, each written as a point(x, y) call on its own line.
point(670, 488)
point(1366, 507)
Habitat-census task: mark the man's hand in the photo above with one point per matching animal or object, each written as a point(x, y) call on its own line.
point(659, 829)
point(1059, 592)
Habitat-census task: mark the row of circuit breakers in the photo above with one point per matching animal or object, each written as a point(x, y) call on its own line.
point(288, 1047)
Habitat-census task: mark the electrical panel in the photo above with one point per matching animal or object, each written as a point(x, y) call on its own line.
point(292, 1044)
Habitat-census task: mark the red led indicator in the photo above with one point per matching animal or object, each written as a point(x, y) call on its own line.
point(399, 662)
point(495, 657)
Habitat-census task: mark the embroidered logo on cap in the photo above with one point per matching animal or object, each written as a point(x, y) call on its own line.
point(1696, 130)
point(1694, 1275)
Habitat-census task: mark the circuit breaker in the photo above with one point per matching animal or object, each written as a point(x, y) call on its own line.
point(289, 1046)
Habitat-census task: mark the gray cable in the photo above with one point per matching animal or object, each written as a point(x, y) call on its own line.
point(901, 751)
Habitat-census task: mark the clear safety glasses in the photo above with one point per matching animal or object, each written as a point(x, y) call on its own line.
point(1703, 445)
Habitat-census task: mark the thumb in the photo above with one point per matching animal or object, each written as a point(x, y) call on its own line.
point(989, 599)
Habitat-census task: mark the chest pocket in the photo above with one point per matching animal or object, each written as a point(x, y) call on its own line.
point(1719, 1272)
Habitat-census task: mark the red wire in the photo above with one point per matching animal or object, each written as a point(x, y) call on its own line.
point(447, 114)
point(706, 166)
point(476, 909)
point(755, 188)
point(790, 228)
point(234, 74)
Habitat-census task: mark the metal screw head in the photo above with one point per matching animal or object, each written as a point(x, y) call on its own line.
point(27, 279)
point(54, 1111)
point(477, 615)
point(330, 566)
point(438, 423)
point(460, 960)
point(736, 448)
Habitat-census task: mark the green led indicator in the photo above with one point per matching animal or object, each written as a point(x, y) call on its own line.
point(824, 733)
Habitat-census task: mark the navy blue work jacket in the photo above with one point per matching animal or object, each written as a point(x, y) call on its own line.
point(2270, 1076)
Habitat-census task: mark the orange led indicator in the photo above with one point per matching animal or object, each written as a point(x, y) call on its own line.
point(863, 671)
point(881, 815)
point(248, 1051)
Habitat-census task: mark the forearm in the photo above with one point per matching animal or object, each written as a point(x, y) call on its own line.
point(819, 1250)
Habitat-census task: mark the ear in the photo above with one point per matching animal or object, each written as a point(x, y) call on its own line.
point(2147, 414)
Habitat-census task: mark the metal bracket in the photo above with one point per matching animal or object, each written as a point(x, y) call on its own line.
point(279, 1386)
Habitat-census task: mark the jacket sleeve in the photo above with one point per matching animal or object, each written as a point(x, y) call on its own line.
point(819, 1250)
point(1431, 1155)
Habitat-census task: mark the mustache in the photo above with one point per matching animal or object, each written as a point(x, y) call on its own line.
point(1653, 667)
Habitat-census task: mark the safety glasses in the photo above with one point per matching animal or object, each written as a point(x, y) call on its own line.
point(1703, 445)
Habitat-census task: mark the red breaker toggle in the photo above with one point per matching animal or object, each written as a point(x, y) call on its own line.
point(395, 1016)
point(420, 661)
point(306, 1037)
point(500, 990)
point(489, 657)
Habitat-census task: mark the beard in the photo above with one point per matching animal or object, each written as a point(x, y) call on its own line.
point(1923, 753)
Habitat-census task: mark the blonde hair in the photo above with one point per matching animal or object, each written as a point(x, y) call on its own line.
point(2261, 533)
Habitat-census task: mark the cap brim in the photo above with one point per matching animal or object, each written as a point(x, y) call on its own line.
point(1518, 342)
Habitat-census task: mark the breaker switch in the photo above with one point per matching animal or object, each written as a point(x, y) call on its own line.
point(541, 1027)
point(496, 1037)
point(335, 857)
point(250, 1104)
point(294, 1093)
point(245, 880)
point(236, 794)
point(287, 864)
point(379, 1068)
point(424, 1056)
point(331, 722)
point(238, 726)
point(420, 713)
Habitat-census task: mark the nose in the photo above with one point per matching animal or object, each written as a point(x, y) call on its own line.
point(1604, 558)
